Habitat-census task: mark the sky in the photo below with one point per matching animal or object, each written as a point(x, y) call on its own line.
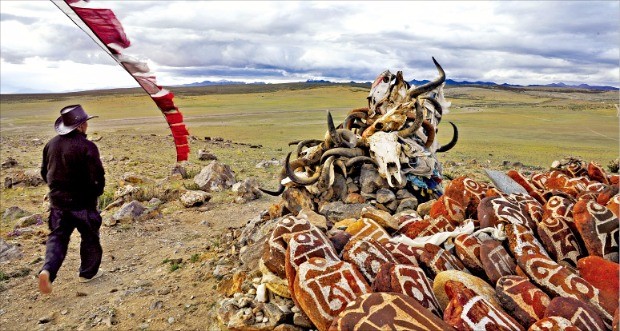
point(514, 42)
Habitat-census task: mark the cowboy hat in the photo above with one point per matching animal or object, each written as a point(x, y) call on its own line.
point(70, 118)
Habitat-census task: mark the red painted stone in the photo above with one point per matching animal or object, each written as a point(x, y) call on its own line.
point(558, 239)
point(602, 274)
point(435, 260)
point(579, 313)
point(274, 254)
point(367, 255)
point(598, 228)
point(467, 248)
point(522, 299)
point(554, 323)
point(496, 260)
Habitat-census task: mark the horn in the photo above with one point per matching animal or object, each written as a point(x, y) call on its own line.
point(346, 152)
point(352, 118)
point(415, 92)
point(435, 103)
point(357, 159)
point(303, 143)
point(419, 118)
point(290, 172)
point(327, 172)
point(273, 193)
point(430, 132)
point(333, 134)
point(350, 139)
point(342, 166)
point(455, 138)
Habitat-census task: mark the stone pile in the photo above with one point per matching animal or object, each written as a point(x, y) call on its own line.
point(479, 258)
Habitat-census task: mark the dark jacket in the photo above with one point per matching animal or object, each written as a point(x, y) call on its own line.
point(73, 171)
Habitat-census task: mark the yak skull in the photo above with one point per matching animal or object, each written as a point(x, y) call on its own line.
point(386, 150)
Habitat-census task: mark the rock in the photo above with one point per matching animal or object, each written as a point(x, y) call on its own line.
point(408, 280)
point(246, 190)
point(512, 209)
point(276, 245)
point(436, 225)
point(215, 177)
point(315, 292)
point(554, 323)
point(353, 198)
point(602, 274)
point(194, 198)
point(295, 199)
point(26, 221)
point(315, 219)
point(386, 311)
point(467, 249)
point(367, 228)
point(436, 260)
point(339, 239)
point(24, 178)
point(383, 218)
point(129, 212)
point(288, 327)
point(179, 170)
point(405, 254)
point(46, 319)
point(338, 211)
point(521, 241)
point(496, 261)
point(261, 293)
point(424, 208)
point(558, 239)
point(228, 286)
point(467, 311)
point(522, 299)
point(9, 163)
point(579, 313)
point(204, 155)
point(130, 177)
point(407, 204)
point(268, 164)
point(12, 213)
point(559, 206)
point(479, 286)
point(385, 195)
point(367, 255)
point(598, 228)
point(302, 320)
point(370, 180)
point(9, 252)
point(126, 192)
point(344, 224)
point(560, 281)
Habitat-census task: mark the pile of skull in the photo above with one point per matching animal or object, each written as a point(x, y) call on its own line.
point(482, 257)
point(384, 154)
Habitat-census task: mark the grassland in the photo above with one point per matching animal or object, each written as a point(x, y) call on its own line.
point(533, 126)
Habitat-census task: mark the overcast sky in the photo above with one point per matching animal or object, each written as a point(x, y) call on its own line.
point(520, 42)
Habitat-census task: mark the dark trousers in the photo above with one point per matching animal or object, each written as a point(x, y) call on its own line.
point(62, 223)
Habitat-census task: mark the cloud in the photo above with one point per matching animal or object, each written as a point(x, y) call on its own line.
point(505, 41)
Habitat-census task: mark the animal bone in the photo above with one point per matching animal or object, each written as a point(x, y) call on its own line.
point(386, 150)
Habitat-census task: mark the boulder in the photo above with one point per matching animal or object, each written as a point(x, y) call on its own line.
point(204, 155)
point(9, 252)
point(246, 190)
point(129, 212)
point(194, 198)
point(215, 177)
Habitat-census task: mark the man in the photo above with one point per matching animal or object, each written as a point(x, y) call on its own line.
point(73, 171)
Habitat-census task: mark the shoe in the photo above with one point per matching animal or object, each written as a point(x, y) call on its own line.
point(97, 275)
point(45, 286)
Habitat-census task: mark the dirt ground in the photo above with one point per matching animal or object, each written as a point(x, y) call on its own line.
point(139, 290)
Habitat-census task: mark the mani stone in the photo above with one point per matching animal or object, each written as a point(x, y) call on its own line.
point(602, 274)
point(324, 288)
point(558, 206)
point(522, 299)
point(598, 228)
point(479, 286)
point(405, 254)
point(558, 239)
point(367, 228)
point(367, 255)
point(274, 253)
point(496, 261)
point(469, 311)
point(522, 242)
point(553, 323)
point(560, 281)
point(386, 311)
point(467, 249)
point(436, 260)
point(437, 225)
point(579, 313)
point(408, 280)
point(301, 247)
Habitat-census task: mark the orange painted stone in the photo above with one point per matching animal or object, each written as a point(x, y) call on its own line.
point(553, 323)
point(522, 299)
point(598, 228)
point(602, 274)
point(579, 313)
point(274, 254)
point(467, 248)
point(436, 259)
point(367, 228)
point(597, 173)
point(367, 255)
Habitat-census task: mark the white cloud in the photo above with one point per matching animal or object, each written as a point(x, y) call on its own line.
point(506, 41)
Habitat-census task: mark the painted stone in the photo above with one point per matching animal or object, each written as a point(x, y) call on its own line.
point(367, 255)
point(467, 249)
point(339, 238)
point(556, 180)
point(522, 299)
point(479, 286)
point(468, 311)
point(324, 288)
point(579, 313)
point(386, 311)
point(448, 207)
point(460, 200)
point(598, 228)
point(405, 254)
point(436, 259)
point(522, 241)
point(412, 229)
point(607, 193)
point(559, 281)
point(553, 323)
point(367, 228)
point(558, 239)
point(496, 260)
point(597, 173)
point(526, 184)
point(274, 254)
point(512, 209)
point(437, 225)
point(558, 206)
point(602, 274)
point(408, 280)
point(305, 245)
point(539, 179)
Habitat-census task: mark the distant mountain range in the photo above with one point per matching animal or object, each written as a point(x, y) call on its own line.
point(449, 82)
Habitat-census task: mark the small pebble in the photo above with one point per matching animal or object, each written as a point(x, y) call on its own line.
point(170, 320)
point(80, 294)
point(64, 312)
